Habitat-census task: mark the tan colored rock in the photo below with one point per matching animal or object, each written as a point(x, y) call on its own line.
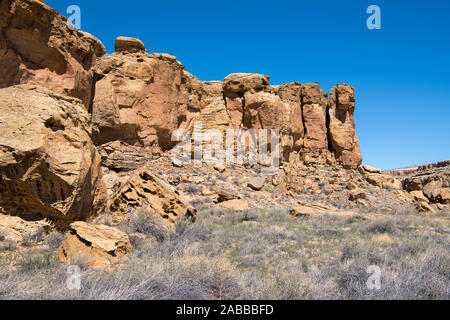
point(129, 44)
point(220, 167)
point(432, 190)
point(423, 206)
point(444, 196)
point(314, 102)
point(94, 246)
point(290, 93)
point(236, 204)
point(234, 88)
point(146, 190)
point(121, 157)
point(357, 194)
point(49, 167)
point(15, 228)
point(240, 83)
point(342, 130)
point(257, 183)
point(384, 181)
point(223, 196)
point(300, 211)
point(37, 47)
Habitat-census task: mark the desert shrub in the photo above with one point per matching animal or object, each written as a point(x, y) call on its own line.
point(33, 238)
point(54, 240)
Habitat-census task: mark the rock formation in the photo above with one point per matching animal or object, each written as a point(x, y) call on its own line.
point(37, 47)
point(342, 131)
point(49, 166)
point(146, 190)
point(54, 147)
point(141, 99)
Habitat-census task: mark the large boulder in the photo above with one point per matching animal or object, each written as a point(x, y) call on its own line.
point(145, 190)
point(37, 47)
point(49, 167)
point(94, 246)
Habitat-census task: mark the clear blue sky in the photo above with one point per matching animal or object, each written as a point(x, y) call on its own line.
point(401, 73)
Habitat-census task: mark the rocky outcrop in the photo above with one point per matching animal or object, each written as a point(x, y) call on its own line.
point(49, 167)
point(16, 229)
point(342, 131)
point(37, 47)
point(94, 246)
point(146, 190)
point(129, 45)
point(432, 181)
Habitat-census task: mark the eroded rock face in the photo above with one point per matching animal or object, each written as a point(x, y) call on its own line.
point(146, 190)
point(94, 246)
point(49, 167)
point(37, 47)
point(342, 131)
point(141, 99)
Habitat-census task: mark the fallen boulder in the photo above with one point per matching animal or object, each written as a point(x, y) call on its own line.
point(94, 246)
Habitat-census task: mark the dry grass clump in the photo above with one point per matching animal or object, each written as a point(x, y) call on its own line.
point(255, 254)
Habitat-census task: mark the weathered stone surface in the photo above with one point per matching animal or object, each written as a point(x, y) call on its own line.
point(15, 228)
point(122, 157)
point(357, 194)
point(49, 166)
point(314, 104)
point(141, 99)
point(432, 190)
point(37, 47)
point(128, 44)
point(94, 246)
point(342, 130)
point(223, 196)
point(371, 169)
point(423, 206)
point(235, 204)
point(146, 190)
